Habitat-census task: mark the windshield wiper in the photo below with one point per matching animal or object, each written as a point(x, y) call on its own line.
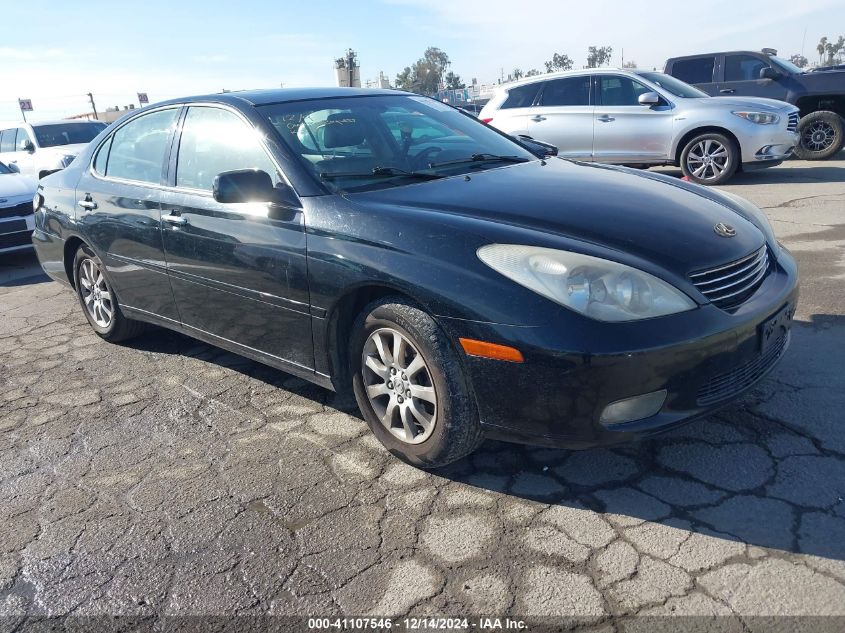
point(477, 158)
point(381, 171)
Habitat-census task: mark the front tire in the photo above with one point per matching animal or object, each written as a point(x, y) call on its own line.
point(710, 159)
point(410, 386)
point(821, 136)
point(98, 301)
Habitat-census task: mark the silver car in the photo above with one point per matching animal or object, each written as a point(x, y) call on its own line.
point(646, 118)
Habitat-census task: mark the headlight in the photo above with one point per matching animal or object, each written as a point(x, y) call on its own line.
point(762, 118)
point(754, 215)
point(598, 288)
point(67, 159)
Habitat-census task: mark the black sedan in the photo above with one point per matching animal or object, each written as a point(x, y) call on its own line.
point(387, 243)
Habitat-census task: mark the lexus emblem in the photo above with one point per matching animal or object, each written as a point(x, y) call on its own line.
point(724, 230)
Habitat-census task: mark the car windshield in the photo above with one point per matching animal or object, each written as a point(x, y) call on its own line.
point(787, 66)
point(4, 169)
point(374, 142)
point(674, 86)
point(54, 134)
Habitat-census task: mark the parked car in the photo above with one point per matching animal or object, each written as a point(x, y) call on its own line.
point(39, 148)
point(462, 290)
point(645, 118)
point(820, 96)
point(16, 210)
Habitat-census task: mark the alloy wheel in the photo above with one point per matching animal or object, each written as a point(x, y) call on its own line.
point(399, 386)
point(819, 136)
point(95, 293)
point(708, 159)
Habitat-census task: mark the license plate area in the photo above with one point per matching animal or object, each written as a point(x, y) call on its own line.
point(12, 226)
point(773, 328)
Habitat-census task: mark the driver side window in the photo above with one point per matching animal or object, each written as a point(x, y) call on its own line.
point(620, 91)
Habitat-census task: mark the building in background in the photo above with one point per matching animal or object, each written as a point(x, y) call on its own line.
point(348, 71)
point(109, 116)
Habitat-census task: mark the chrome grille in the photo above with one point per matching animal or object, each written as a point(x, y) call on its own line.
point(729, 384)
point(729, 285)
point(22, 210)
point(792, 126)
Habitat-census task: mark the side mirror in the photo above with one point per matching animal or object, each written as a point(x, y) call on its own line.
point(29, 147)
point(768, 73)
point(13, 167)
point(251, 185)
point(649, 98)
point(538, 148)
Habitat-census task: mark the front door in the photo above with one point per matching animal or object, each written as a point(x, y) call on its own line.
point(238, 270)
point(740, 75)
point(118, 211)
point(564, 117)
point(625, 130)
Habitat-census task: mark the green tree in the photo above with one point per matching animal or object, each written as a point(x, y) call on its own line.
point(630, 64)
point(453, 81)
point(599, 56)
point(828, 50)
point(517, 74)
point(531, 73)
point(558, 62)
point(799, 60)
point(426, 74)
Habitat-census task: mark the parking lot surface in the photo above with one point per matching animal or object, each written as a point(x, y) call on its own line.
point(165, 476)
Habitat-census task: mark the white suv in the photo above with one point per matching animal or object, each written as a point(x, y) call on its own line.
point(43, 147)
point(646, 118)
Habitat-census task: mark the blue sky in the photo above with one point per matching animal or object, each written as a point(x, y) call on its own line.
point(63, 50)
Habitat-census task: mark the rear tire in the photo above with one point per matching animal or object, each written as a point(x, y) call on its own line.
point(98, 301)
point(710, 159)
point(410, 386)
point(821, 136)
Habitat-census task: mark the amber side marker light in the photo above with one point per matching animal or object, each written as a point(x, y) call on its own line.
point(491, 350)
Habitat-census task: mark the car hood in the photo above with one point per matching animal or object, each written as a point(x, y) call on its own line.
point(17, 185)
point(662, 220)
point(756, 103)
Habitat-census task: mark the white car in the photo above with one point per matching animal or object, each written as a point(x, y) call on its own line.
point(17, 220)
point(37, 148)
point(645, 118)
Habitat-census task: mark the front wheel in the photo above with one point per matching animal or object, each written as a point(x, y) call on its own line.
point(710, 159)
point(821, 136)
point(98, 301)
point(410, 386)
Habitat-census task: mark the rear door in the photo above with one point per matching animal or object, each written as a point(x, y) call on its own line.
point(563, 117)
point(740, 75)
point(625, 130)
point(697, 71)
point(118, 210)
point(238, 270)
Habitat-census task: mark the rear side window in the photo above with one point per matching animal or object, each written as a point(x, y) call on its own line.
point(743, 67)
point(521, 96)
point(571, 91)
point(694, 71)
point(138, 148)
point(7, 140)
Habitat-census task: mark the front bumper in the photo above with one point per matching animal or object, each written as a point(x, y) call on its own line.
point(16, 233)
point(763, 146)
point(704, 359)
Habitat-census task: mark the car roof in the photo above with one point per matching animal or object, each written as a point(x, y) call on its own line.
point(604, 70)
point(60, 122)
point(283, 95)
point(718, 53)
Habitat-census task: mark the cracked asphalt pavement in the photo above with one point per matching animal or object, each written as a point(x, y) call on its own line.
point(167, 477)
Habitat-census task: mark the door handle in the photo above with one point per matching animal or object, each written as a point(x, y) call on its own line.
point(728, 91)
point(605, 118)
point(537, 118)
point(174, 218)
point(87, 204)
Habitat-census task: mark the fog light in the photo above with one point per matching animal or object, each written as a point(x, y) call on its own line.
point(635, 408)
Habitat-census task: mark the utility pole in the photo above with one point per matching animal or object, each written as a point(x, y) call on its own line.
point(93, 107)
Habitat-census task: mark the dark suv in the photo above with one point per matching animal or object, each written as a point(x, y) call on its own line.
point(819, 95)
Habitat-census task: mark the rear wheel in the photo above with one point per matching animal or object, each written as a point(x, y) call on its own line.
point(710, 159)
point(98, 301)
point(410, 385)
point(821, 136)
